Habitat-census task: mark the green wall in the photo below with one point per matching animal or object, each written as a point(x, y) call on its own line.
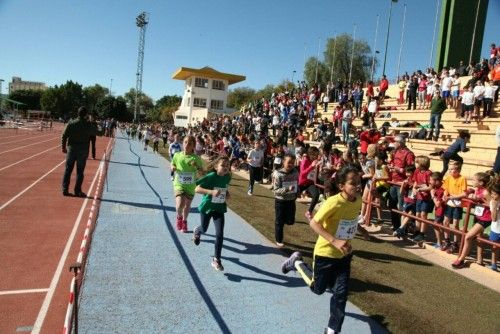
point(456, 31)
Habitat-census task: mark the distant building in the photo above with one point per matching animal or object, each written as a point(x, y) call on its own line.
point(18, 84)
point(205, 93)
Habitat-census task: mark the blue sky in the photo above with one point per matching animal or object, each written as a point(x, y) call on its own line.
point(96, 41)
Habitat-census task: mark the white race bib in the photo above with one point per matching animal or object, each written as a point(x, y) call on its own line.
point(478, 210)
point(290, 184)
point(346, 229)
point(277, 161)
point(185, 178)
point(221, 198)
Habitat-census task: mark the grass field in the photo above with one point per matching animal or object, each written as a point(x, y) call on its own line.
point(398, 289)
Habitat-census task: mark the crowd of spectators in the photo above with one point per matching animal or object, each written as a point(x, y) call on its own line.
point(274, 127)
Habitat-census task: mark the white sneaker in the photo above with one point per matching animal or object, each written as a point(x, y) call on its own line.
point(172, 178)
point(249, 193)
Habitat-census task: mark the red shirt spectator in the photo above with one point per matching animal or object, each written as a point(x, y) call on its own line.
point(402, 157)
point(422, 177)
point(369, 89)
point(384, 85)
point(439, 194)
point(368, 137)
point(306, 168)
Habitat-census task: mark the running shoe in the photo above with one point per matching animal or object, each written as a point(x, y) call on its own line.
point(80, 194)
point(453, 248)
point(280, 244)
point(184, 227)
point(289, 264)
point(458, 264)
point(196, 236)
point(249, 193)
point(445, 245)
point(419, 237)
point(179, 223)
point(493, 267)
point(217, 265)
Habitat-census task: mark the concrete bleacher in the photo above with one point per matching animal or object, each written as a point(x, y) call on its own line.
point(482, 144)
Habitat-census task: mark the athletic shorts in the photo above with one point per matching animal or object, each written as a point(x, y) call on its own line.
point(495, 237)
point(183, 193)
point(424, 205)
point(468, 107)
point(439, 219)
point(484, 224)
point(478, 103)
point(453, 212)
point(407, 207)
point(455, 93)
point(446, 93)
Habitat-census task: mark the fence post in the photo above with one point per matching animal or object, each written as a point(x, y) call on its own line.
point(75, 268)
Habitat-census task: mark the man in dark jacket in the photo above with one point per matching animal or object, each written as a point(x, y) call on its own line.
point(75, 144)
point(438, 106)
point(412, 93)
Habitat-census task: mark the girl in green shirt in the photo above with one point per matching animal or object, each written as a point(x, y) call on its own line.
point(214, 186)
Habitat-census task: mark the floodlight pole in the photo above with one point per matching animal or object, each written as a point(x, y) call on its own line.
point(141, 21)
point(387, 36)
point(374, 48)
point(1, 101)
point(402, 38)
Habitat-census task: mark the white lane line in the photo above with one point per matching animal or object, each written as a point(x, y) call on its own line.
point(20, 147)
point(53, 284)
point(34, 155)
point(20, 292)
point(30, 186)
point(31, 137)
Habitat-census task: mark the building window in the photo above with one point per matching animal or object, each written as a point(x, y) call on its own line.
point(217, 104)
point(218, 84)
point(181, 117)
point(197, 102)
point(201, 82)
point(188, 102)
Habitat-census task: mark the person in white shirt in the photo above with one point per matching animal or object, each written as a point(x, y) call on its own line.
point(256, 160)
point(489, 93)
point(468, 103)
point(455, 91)
point(478, 97)
point(445, 88)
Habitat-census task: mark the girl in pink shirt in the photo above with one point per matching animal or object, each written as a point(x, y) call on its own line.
point(308, 176)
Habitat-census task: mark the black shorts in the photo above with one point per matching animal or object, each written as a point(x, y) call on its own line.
point(484, 224)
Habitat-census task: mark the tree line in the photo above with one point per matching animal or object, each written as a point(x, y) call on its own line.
point(64, 100)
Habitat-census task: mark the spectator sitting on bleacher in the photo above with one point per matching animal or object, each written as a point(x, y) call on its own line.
point(367, 137)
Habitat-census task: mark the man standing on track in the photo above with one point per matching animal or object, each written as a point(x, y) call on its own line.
point(76, 137)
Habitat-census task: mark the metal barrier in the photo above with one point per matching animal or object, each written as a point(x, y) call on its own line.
point(71, 318)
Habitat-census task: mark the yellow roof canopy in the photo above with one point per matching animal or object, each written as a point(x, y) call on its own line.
point(185, 72)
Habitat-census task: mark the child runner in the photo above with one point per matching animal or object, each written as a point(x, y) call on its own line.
point(185, 164)
point(495, 222)
point(214, 186)
point(455, 186)
point(307, 177)
point(256, 161)
point(437, 193)
point(335, 223)
point(174, 148)
point(285, 186)
point(482, 217)
point(156, 141)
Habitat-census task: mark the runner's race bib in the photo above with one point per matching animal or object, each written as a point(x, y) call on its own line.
point(312, 175)
point(277, 161)
point(346, 229)
point(290, 184)
point(478, 210)
point(185, 178)
point(221, 198)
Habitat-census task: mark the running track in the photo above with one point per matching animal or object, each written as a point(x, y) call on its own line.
point(40, 230)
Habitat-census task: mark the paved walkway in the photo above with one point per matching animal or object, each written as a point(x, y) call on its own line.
point(145, 277)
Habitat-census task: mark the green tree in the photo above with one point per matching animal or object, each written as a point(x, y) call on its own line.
point(168, 101)
point(30, 98)
point(144, 105)
point(111, 107)
point(342, 45)
point(239, 97)
point(92, 95)
point(63, 101)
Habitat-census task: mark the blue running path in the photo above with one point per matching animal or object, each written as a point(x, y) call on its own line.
point(143, 276)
